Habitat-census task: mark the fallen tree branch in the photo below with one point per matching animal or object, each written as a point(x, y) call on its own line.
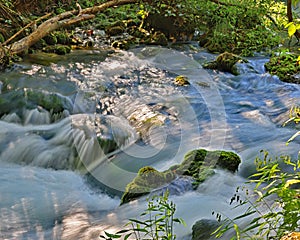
point(27, 26)
point(59, 21)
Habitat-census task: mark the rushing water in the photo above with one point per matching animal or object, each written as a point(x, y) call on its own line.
point(58, 182)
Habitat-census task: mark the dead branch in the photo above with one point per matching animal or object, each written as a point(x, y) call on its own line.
point(59, 21)
point(27, 26)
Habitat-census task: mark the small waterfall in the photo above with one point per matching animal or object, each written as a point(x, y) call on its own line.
point(71, 143)
point(37, 116)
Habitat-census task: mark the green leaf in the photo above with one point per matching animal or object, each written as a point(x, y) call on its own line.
point(123, 231)
point(251, 227)
point(291, 30)
point(139, 222)
point(255, 220)
point(244, 215)
point(127, 236)
point(293, 137)
point(295, 2)
point(291, 182)
point(237, 230)
point(140, 230)
point(288, 24)
point(112, 235)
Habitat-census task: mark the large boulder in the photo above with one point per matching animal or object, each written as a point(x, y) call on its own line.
point(146, 180)
point(200, 163)
point(197, 164)
point(225, 62)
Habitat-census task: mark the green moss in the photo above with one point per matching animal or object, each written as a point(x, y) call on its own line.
point(284, 65)
point(228, 160)
point(146, 180)
point(181, 80)
point(200, 163)
point(58, 49)
point(225, 62)
point(48, 101)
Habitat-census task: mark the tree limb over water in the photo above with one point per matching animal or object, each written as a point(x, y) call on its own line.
point(59, 21)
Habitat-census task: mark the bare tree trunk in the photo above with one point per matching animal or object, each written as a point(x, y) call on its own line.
point(60, 21)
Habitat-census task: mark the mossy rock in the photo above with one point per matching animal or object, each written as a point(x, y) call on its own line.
point(203, 229)
point(285, 65)
point(43, 58)
point(20, 99)
point(225, 62)
point(146, 180)
point(181, 80)
point(202, 157)
point(58, 49)
point(200, 163)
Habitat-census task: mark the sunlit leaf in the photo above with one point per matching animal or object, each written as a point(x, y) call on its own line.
point(237, 230)
point(291, 182)
point(293, 137)
point(292, 29)
point(288, 24)
point(244, 215)
point(110, 235)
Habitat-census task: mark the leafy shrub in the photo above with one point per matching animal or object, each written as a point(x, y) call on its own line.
point(285, 65)
point(158, 225)
point(295, 117)
point(273, 204)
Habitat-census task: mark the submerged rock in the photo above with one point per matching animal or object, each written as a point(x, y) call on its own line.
point(16, 101)
point(144, 119)
point(225, 62)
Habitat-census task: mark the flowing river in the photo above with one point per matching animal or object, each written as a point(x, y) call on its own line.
point(69, 139)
